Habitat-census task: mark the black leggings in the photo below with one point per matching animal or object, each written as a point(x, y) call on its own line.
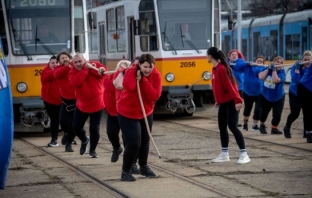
point(137, 140)
point(305, 98)
point(66, 118)
point(79, 121)
point(228, 117)
point(295, 108)
point(266, 107)
point(54, 113)
point(249, 100)
point(112, 130)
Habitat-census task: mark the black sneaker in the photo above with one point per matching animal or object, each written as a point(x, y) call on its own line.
point(74, 142)
point(53, 144)
point(245, 127)
point(93, 154)
point(83, 147)
point(309, 138)
point(116, 153)
point(275, 131)
point(134, 169)
point(146, 171)
point(255, 128)
point(262, 129)
point(68, 148)
point(64, 139)
point(287, 132)
point(127, 176)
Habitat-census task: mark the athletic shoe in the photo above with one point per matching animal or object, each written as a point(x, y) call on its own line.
point(64, 139)
point(146, 171)
point(53, 144)
point(134, 169)
point(116, 153)
point(287, 132)
point(127, 176)
point(243, 159)
point(74, 142)
point(255, 128)
point(222, 158)
point(68, 148)
point(93, 154)
point(245, 127)
point(83, 147)
point(262, 129)
point(275, 131)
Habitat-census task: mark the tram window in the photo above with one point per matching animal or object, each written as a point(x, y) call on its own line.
point(111, 31)
point(256, 46)
point(244, 47)
point(274, 42)
point(148, 30)
point(227, 43)
point(121, 29)
point(292, 49)
point(287, 45)
point(304, 39)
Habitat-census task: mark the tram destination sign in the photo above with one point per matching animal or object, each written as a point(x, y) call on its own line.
point(30, 4)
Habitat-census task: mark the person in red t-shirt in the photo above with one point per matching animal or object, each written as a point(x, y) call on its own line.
point(229, 102)
point(88, 84)
point(52, 98)
point(130, 115)
point(68, 97)
point(112, 125)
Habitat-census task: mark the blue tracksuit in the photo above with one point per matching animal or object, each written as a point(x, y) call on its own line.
point(306, 80)
point(295, 79)
point(238, 68)
point(252, 83)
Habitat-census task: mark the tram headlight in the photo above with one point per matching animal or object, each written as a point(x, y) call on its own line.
point(21, 87)
point(206, 75)
point(169, 77)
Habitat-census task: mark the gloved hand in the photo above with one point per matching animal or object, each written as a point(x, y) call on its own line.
point(139, 75)
point(273, 68)
point(250, 63)
point(270, 67)
point(101, 71)
point(297, 64)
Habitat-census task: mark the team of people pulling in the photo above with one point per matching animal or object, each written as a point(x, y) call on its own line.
point(74, 89)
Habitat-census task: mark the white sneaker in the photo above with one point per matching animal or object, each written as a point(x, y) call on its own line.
point(243, 159)
point(222, 158)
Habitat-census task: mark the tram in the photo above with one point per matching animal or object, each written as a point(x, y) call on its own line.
point(176, 32)
point(287, 35)
point(23, 24)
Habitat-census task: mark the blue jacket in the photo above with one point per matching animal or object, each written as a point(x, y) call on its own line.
point(295, 79)
point(238, 68)
point(252, 83)
point(271, 91)
point(306, 80)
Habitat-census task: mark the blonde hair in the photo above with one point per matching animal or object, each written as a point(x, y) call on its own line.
point(123, 64)
point(306, 53)
point(278, 57)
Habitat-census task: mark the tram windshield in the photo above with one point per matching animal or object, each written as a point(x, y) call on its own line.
point(39, 27)
point(185, 24)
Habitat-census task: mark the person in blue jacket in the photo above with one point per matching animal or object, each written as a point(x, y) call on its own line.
point(297, 72)
point(237, 62)
point(252, 88)
point(304, 91)
point(272, 95)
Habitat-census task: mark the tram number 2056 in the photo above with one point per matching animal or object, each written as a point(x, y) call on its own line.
point(38, 72)
point(188, 64)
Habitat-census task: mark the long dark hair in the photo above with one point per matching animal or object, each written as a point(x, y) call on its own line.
point(219, 56)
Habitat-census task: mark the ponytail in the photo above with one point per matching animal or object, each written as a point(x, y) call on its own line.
point(227, 67)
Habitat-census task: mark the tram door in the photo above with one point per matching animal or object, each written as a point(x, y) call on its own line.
point(131, 32)
point(102, 43)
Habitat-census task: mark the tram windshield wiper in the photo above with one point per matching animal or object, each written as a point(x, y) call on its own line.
point(17, 39)
point(37, 40)
point(190, 43)
point(174, 51)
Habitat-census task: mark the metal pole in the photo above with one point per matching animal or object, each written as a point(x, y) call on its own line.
point(239, 25)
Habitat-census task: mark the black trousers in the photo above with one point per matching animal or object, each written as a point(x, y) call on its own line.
point(79, 121)
point(266, 107)
point(137, 140)
point(305, 98)
point(295, 108)
point(112, 130)
point(53, 112)
point(249, 101)
point(228, 117)
point(66, 118)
